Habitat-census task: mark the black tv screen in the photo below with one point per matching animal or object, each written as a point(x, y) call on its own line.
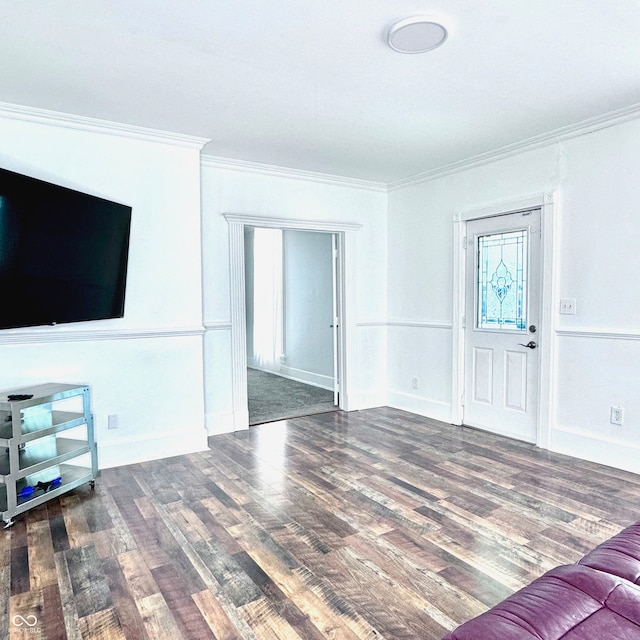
point(63, 254)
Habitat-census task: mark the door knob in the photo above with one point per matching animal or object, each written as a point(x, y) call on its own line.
point(529, 345)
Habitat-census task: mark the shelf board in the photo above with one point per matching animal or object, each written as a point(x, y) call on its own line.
point(41, 456)
point(42, 394)
point(62, 420)
point(31, 428)
point(72, 477)
point(37, 458)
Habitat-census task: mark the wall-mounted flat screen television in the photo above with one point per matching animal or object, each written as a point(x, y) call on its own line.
point(63, 254)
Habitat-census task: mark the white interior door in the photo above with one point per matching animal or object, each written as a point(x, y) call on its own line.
point(502, 315)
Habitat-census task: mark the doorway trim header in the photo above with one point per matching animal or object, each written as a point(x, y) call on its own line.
point(290, 223)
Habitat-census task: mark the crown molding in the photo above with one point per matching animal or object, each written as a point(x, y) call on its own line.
point(95, 125)
point(106, 127)
point(229, 164)
point(584, 127)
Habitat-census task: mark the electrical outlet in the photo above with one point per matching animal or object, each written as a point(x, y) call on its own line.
point(415, 382)
point(617, 415)
point(568, 306)
point(112, 421)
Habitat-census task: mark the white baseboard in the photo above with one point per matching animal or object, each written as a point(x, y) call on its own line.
point(298, 375)
point(606, 451)
point(434, 409)
point(359, 401)
point(115, 453)
point(241, 420)
point(219, 423)
point(308, 377)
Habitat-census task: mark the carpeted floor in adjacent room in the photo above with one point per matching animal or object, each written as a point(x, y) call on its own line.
point(273, 397)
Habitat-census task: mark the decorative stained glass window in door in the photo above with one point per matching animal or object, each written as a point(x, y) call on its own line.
point(502, 281)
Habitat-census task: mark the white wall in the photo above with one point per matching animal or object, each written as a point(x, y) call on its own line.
point(308, 307)
point(146, 368)
point(278, 195)
point(597, 351)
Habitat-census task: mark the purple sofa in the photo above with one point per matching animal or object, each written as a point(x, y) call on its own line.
point(596, 599)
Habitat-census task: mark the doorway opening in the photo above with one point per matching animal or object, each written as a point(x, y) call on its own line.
point(344, 235)
point(291, 305)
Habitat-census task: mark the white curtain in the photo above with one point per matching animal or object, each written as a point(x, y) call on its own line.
point(267, 310)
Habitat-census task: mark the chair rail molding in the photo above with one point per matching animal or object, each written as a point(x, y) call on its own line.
point(217, 326)
point(420, 324)
point(58, 334)
point(600, 334)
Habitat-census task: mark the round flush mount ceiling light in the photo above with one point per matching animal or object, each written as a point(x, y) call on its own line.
point(416, 35)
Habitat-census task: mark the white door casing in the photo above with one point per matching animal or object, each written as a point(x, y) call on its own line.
point(335, 262)
point(502, 324)
point(345, 234)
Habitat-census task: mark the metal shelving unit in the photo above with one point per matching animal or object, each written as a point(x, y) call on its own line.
point(47, 445)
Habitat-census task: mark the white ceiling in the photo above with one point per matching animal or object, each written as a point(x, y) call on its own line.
point(311, 84)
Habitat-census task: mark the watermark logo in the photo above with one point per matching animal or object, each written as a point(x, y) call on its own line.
point(25, 624)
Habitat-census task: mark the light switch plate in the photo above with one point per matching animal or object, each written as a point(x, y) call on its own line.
point(568, 306)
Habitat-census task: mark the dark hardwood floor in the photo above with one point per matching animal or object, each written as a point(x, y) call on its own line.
point(373, 524)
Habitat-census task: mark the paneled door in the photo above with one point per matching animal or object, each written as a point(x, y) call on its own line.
point(502, 314)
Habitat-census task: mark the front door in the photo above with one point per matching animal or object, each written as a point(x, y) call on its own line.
point(502, 314)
